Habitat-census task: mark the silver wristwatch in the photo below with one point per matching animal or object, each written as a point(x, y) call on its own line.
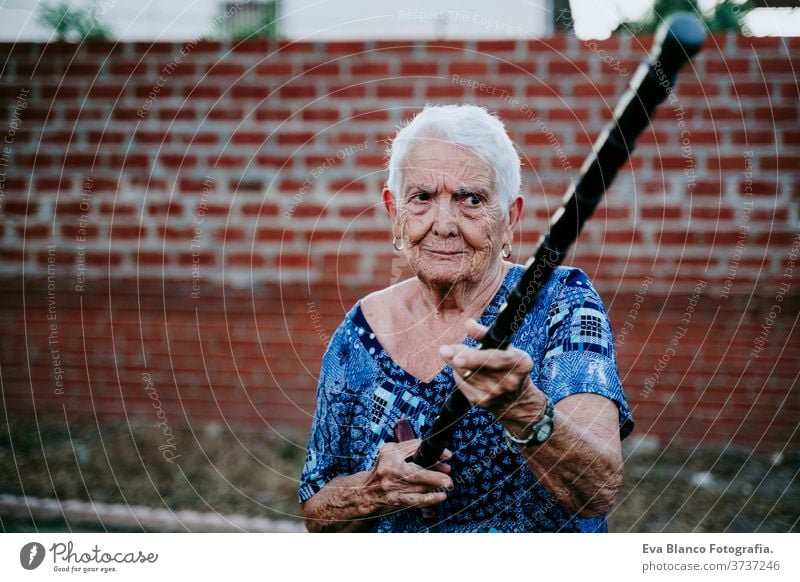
point(540, 430)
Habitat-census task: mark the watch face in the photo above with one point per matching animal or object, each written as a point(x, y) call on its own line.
point(543, 433)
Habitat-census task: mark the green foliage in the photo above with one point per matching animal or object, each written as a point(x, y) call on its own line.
point(73, 24)
point(264, 25)
point(726, 15)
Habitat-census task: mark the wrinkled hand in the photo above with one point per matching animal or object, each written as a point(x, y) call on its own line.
point(493, 379)
point(395, 483)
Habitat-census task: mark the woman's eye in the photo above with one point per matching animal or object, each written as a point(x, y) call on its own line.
point(421, 197)
point(473, 200)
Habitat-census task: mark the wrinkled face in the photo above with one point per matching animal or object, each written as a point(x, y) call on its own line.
point(449, 214)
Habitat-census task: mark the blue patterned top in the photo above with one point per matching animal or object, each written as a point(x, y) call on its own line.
point(362, 393)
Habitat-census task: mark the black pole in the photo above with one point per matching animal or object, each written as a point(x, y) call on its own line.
point(680, 37)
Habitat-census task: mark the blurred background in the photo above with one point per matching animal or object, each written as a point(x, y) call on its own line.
point(190, 203)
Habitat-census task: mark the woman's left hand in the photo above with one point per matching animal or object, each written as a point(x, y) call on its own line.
point(497, 380)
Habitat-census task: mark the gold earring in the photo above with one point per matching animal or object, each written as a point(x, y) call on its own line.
point(503, 251)
point(394, 244)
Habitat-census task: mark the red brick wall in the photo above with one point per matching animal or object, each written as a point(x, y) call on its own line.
point(208, 212)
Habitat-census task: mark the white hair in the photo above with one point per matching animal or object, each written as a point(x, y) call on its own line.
point(465, 125)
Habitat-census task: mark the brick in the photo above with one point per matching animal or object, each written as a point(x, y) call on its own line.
point(592, 89)
point(182, 114)
point(72, 231)
point(250, 91)
point(753, 137)
point(177, 161)
point(740, 89)
point(259, 210)
point(227, 161)
point(222, 113)
point(225, 69)
point(20, 207)
point(199, 139)
point(104, 137)
point(348, 185)
point(249, 138)
point(229, 235)
point(705, 90)
point(273, 113)
point(132, 232)
point(294, 261)
point(444, 92)
point(395, 91)
point(295, 138)
point(152, 137)
point(290, 47)
point(369, 69)
point(269, 161)
point(298, 92)
point(758, 42)
point(324, 69)
point(69, 92)
point(165, 209)
point(320, 114)
point(496, 46)
point(245, 260)
point(347, 47)
point(570, 67)
point(370, 115)
point(777, 113)
point(132, 160)
point(469, 68)
point(545, 45)
point(779, 163)
point(729, 66)
point(759, 188)
point(712, 213)
point(370, 161)
point(45, 183)
point(527, 68)
point(419, 68)
point(777, 66)
point(251, 46)
point(97, 91)
point(309, 211)
point(152, 258)
point(448, 47)
point(661, 212)
point(347, 91)
point(274, 234)
point(273, 68)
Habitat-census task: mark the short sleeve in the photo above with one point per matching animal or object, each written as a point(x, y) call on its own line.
point(579, 353)
point(328, 447)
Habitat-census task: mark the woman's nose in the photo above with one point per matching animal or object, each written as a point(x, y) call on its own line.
point(444, 220)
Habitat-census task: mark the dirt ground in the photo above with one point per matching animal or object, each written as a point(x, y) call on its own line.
point(255, 473)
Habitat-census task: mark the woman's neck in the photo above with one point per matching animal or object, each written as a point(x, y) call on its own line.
point(463, 299)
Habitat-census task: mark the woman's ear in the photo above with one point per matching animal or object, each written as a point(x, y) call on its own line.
point(515, 211)
point(389, 202)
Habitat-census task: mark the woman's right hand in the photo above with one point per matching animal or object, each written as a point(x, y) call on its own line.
point(394, 483)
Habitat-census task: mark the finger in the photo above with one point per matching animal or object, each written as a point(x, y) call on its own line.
point(424, 499)
point(493, 360)
point(427, 477)
point(475, 329)
point(442, 468)
point(407, 448)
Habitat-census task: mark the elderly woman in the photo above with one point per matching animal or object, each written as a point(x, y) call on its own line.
point(453, 195)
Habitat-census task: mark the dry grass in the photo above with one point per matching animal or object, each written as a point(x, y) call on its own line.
point(255, 473)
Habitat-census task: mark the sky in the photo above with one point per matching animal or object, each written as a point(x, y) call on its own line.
point(357, 19)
